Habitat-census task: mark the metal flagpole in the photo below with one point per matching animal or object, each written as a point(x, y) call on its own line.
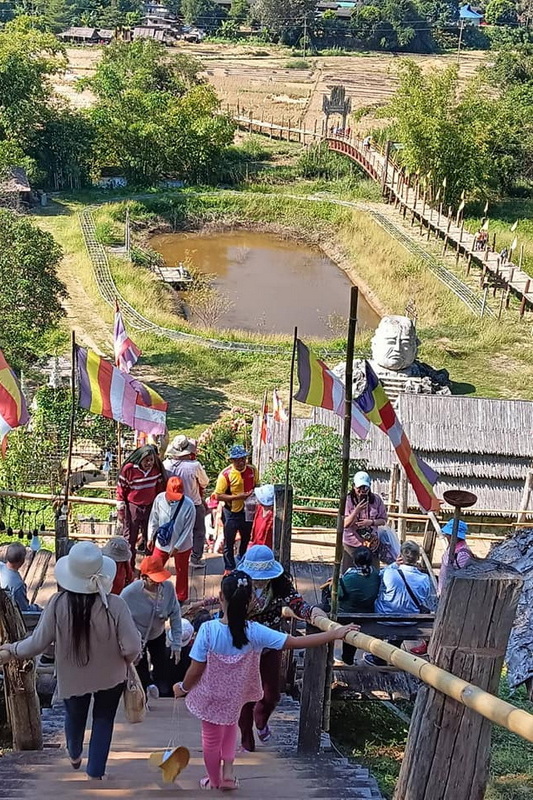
point(346, 441)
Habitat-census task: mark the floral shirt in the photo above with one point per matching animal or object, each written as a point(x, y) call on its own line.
point(271, 614)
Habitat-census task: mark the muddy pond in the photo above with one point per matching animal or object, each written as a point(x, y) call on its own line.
point(273, 283)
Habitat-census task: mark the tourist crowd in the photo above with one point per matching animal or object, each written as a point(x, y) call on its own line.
point(223, 654)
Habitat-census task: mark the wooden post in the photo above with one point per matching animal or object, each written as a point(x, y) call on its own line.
point(402, 507)
point(524, 301)
point(386, 167)
point(439, 761)
point(428, 542)
point(393, 486)
point(61, 532)
point(526, 495)
point(312, 699)
point(22, 702)
point(282, 524)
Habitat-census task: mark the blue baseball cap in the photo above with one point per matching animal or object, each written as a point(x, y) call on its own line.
point(362, 479)
point(462, 530)
point(238, 451)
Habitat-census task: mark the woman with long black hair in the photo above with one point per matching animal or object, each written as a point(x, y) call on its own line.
point(141, 478)
point(224, 674)
point(95, 640)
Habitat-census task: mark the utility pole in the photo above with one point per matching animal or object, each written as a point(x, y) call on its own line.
point(461, 28)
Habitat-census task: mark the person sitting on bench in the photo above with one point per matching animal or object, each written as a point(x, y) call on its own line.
point(404, 589)
point(358, 591)
point(11, 579)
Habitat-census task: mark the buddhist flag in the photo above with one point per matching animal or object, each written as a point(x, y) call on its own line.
point(514, 226)
point(13, 409)
point(486, 208)
point(514, 244)
point(319, 386)
point(126, 352)
point(377, 407)
point(278, 410)
point(113, 394)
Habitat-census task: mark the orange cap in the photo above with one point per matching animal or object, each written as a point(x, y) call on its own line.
point(174, 489)
point(155, 569)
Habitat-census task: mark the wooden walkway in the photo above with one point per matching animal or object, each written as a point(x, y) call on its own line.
point(409, 200)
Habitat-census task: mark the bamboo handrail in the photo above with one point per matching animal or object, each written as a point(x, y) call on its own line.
point(488, 705)
point(99, 501)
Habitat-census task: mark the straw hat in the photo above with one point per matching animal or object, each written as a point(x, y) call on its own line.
point(86, 571)
point(181, 446)
point(118, 549)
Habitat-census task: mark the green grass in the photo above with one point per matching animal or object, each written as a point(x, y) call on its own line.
point(376, 737)
point(483, 356)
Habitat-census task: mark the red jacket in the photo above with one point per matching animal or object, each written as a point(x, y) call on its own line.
point(138, 487)
point(123, 577)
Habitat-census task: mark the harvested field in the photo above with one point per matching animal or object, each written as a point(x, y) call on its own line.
point(259, 80)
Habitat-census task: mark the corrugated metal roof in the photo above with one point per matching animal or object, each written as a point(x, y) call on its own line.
point(80, 33)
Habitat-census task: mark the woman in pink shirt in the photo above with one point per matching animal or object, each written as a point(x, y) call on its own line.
point(365, 512)
point(462, 556)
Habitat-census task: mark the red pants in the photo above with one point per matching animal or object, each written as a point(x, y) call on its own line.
point(181, 564)
point(219, 743)
point(260, 712)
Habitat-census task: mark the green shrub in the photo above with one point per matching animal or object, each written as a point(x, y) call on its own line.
point(297, 63)
point(214, 444)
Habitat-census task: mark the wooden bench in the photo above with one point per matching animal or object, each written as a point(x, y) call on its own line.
point(392, 626)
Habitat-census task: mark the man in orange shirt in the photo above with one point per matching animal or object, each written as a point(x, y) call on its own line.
point(234, 485)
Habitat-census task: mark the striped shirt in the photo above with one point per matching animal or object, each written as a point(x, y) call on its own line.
point(139, 487)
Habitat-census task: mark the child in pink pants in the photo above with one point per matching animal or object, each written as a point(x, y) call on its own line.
point(224, 674)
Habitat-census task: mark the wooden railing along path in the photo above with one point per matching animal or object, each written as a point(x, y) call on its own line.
point(406, 196)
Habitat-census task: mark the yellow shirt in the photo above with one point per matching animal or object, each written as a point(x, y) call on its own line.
point(231, 481)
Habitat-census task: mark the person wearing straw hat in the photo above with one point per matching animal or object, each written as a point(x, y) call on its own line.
point(234, 486)
point(180, 462)
point(462, 556)
point(152, 601)
point(263, 524)
point(118, 548)
point(91, 628)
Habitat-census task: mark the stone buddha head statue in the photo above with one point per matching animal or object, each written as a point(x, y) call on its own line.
point(395, 344)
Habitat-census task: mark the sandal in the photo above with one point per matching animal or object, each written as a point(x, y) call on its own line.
point(205, 784)
point(229, 784)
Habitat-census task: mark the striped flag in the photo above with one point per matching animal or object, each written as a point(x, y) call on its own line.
point(126, 352)
point(378, 409)
point(113, 394)
point(278, 410)
point(319, 386)
point(13, 409)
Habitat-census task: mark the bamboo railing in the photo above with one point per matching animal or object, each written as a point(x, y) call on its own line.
point(488, 705)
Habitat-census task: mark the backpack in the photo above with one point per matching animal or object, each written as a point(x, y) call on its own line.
point(165, 531)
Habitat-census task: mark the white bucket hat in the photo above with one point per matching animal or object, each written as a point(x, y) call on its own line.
point(265, 494)
point(86, 571)
point(187, 632)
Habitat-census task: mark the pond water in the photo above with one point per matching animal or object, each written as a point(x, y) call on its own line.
point(274, 283)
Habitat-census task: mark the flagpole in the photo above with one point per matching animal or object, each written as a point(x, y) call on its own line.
point(284, 531)
point(61, 526)
point(345, 469)
point(259, 447)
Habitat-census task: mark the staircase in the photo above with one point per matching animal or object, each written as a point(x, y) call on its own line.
point(274, 772)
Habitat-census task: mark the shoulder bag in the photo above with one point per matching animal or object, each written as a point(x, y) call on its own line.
point(134, 696)
point(423, 609)
point(164, 532)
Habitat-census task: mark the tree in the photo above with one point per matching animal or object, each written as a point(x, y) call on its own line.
point(205, 14)
point(501, 12)
point(154, 117)
point(64, 147)
point(284, 19)
point(239, 11)
point(30, 301)
point(392, 25)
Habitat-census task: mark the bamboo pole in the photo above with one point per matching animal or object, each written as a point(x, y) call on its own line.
point(264, 412)
point(288, 448)
point(99, 501)
point(492, 708)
